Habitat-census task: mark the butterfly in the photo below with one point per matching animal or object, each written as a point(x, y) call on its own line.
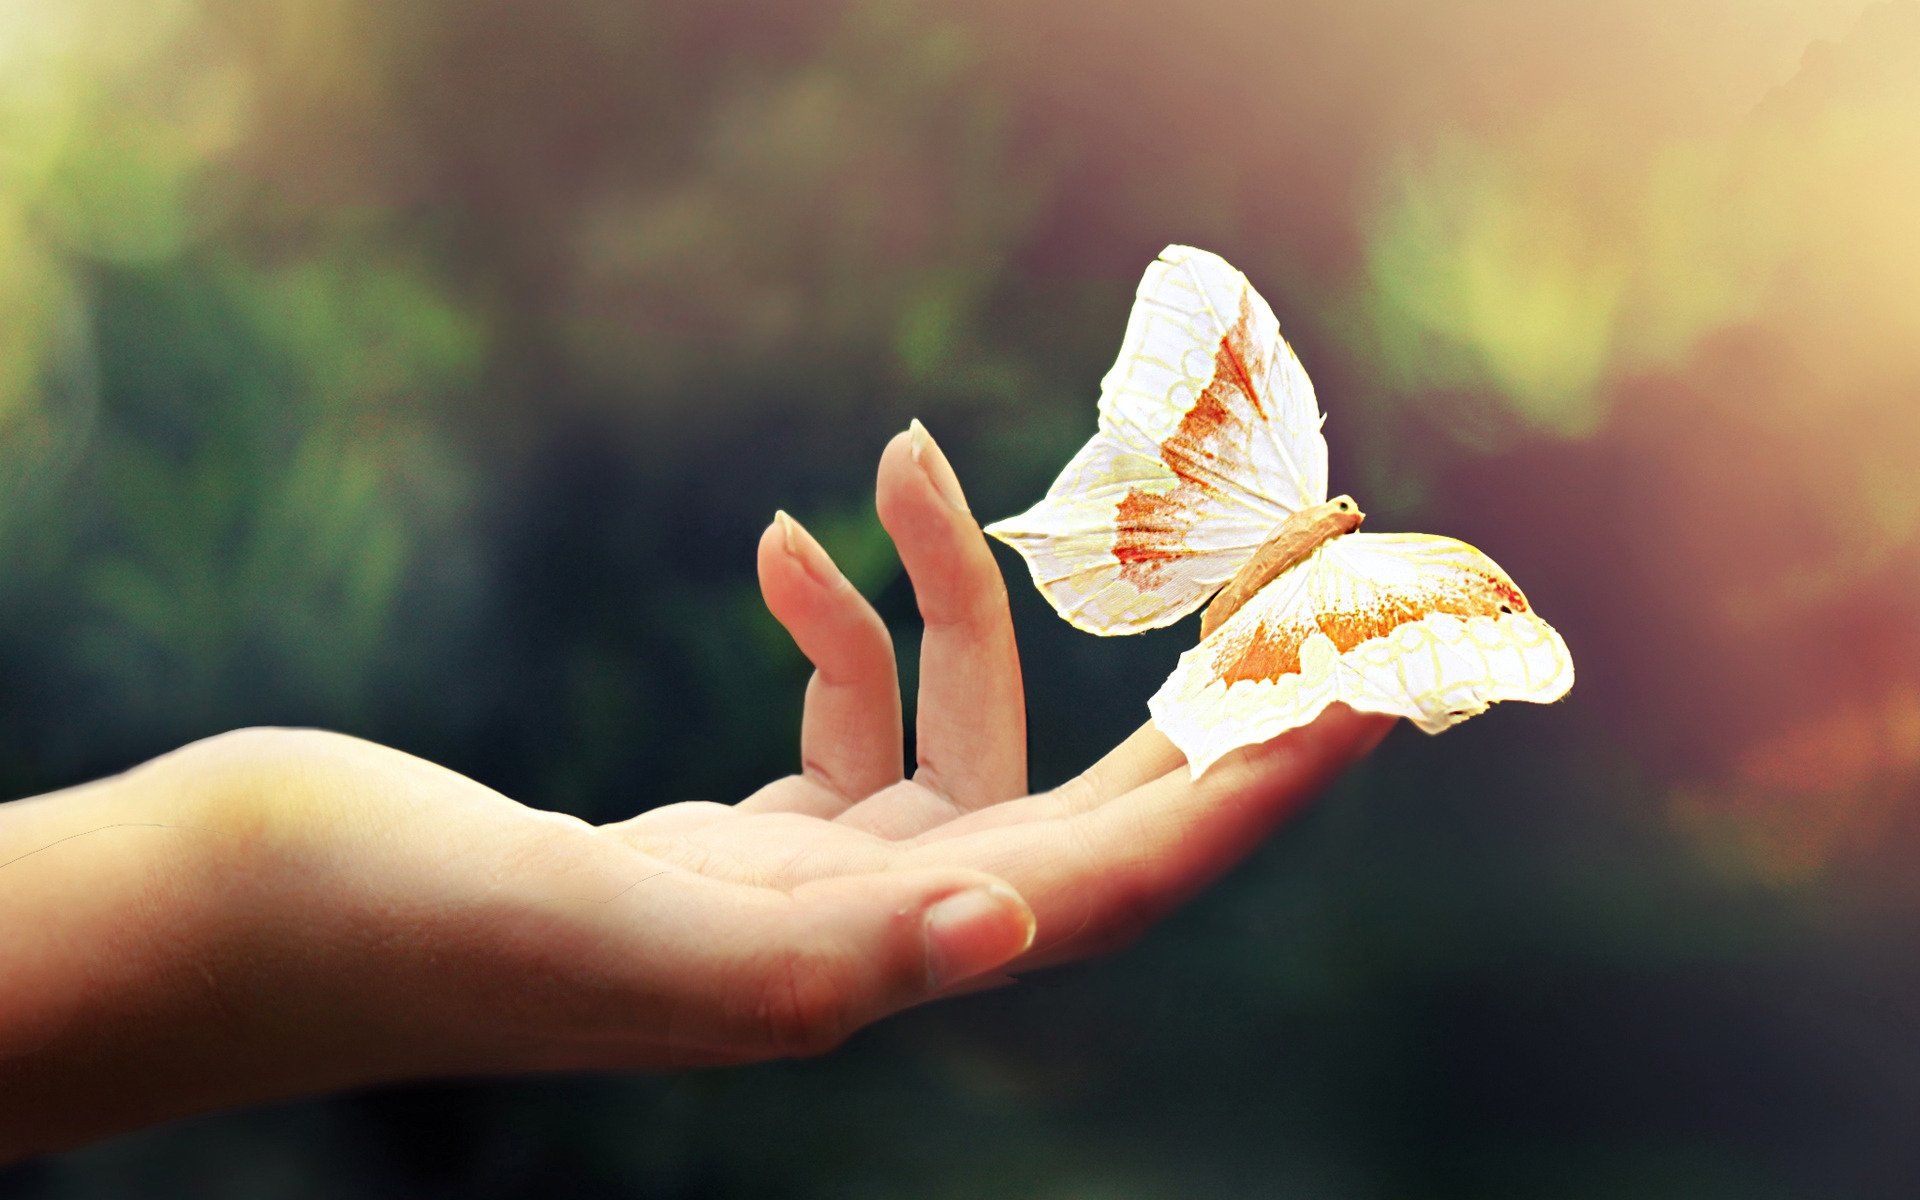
point(1207, 481)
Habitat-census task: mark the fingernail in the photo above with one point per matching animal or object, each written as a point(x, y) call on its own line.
point(811, 555)
point(972, 932)
point(788, 531)
point(939, 471)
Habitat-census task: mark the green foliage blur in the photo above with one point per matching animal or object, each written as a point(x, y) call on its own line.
point(427, 370)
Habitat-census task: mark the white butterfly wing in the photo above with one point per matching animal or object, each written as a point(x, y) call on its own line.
point(1209, 436)
point(1422, 627)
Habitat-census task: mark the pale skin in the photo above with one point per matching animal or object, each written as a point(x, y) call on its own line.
point(274, 913)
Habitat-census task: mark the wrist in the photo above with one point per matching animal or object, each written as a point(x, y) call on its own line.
point(350, 945)
point(108, 924)
point(153, 957)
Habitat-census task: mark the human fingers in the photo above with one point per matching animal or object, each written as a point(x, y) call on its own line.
point(850, 730)
point(1098, 875)
point(971, 729)
point(1146, 755)
point(770, 974)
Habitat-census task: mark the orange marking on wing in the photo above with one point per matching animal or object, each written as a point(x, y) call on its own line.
point(1151, 527)
point(1150, 530)
point(1267, 652)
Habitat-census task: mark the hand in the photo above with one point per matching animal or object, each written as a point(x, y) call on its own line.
point(1098, 860)
point(282, 912)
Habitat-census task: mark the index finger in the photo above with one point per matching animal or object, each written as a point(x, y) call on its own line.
point(1147, 756)
point(1098, 874)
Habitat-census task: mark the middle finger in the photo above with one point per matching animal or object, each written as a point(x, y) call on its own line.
point(972, 720)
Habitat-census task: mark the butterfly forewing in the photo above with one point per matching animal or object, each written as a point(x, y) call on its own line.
point(1426, 628)
point(1209, 436)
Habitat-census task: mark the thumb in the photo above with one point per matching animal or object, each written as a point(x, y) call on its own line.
point(852, 949)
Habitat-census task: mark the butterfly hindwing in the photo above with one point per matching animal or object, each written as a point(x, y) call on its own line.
point(1422, 627)
point(1209, 436)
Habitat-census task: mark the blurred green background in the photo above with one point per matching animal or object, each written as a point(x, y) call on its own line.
point(426, 370)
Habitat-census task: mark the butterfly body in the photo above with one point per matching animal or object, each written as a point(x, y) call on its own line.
point(1207, 479)
point(1297, 538)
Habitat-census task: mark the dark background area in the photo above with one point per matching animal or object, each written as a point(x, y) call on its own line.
point(427, 370)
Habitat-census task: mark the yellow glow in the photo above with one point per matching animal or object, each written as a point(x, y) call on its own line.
point(1487, 260)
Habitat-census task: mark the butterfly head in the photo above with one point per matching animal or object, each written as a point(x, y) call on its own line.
point(1343, 514)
